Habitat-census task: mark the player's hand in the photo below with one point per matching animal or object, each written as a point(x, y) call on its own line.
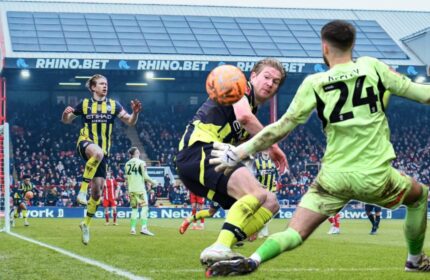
point(136, 106)
point(279, 158)
point(68, 110)
point(224, 156)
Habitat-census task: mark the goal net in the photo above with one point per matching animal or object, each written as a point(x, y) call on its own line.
point(4, 179)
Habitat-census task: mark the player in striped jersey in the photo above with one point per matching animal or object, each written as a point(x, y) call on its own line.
point(20, 201)
point(267, 174)
point(250, 206)
point(110, 193)
point(97, 114)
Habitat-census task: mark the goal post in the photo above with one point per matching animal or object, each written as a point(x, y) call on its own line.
point(4, 178)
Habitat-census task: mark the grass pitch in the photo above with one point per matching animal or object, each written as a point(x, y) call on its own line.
point(354, 254)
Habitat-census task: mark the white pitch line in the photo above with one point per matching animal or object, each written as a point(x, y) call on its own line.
point(101, 265)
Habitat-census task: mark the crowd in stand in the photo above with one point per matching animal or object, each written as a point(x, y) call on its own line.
point(45, 148)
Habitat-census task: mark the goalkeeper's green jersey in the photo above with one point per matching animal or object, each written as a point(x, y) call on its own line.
point(134, 173)
point(349, 101)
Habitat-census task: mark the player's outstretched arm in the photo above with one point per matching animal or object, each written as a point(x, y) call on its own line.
point(245, 117)
point(251, 123)
point(269, 136)
point(402, 85)
point(226, 156)
point(418, 92)
point(131, 119)
point(68, 115)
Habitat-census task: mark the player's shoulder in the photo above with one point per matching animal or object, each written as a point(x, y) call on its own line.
point(368, 61)
point(110, 99)
point(81, 102)
point(313, 81)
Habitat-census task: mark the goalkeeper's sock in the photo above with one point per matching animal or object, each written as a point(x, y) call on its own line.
point(91, 210)
point(16, 213)
point(90, 170)
point(133, 220)
point(24, 213)
point(237, 218)
point(144, 216)
point(276, 244)
point(416, 223)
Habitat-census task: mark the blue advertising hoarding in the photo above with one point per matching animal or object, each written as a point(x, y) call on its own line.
point(172, 65)
point(180, 213)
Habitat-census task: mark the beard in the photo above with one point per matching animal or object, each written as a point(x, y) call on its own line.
point(326, 61)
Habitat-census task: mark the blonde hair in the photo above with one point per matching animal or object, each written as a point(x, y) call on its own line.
point(93, 81)
point(272, 62)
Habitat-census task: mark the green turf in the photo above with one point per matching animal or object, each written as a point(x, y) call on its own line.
point(354, 254)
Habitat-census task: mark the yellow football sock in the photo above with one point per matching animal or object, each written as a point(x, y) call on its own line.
point(24, 213)
point(237, 218)
point(91, 210)
point(89, 172)
point(257, 222)
point(202, 214)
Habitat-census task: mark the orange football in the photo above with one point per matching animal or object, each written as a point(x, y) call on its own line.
point(226, 84)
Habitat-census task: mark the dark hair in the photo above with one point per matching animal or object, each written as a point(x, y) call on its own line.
point(26, 177)
point(132, 150)
point(339, 33)
point(272, 62)
point(93, 81)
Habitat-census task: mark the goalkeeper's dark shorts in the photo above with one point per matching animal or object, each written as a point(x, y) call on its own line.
point(200, 177)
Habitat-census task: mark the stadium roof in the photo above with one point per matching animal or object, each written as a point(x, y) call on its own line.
point(195, 35)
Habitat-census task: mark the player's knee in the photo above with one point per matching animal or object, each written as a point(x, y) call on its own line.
point(416, 195)
point(260, 194)
point(272, 203)
point(99, 155)
point(96, 196)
